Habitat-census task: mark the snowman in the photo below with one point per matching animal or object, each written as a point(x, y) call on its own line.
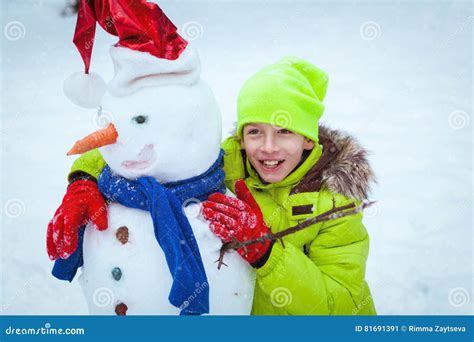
point(163, 156)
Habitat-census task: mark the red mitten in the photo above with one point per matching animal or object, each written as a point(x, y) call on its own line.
point(82, 203)
point(239, 218)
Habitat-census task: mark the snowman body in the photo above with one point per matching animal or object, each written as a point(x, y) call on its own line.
point(124, 265)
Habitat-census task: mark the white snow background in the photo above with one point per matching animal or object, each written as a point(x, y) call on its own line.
point(400, 81)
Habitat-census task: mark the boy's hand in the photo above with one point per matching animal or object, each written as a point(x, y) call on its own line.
point(82, 203)
point(239, 218)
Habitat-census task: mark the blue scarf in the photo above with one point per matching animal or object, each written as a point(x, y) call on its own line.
point(172, 230)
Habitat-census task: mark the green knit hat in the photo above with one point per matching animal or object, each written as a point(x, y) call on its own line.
point(287, 94)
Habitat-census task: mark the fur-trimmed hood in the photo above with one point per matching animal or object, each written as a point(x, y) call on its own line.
point(342, 168)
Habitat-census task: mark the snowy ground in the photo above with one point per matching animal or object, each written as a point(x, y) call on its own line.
point(400, 80)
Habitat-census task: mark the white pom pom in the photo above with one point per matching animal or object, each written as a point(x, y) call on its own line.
point(85, 90)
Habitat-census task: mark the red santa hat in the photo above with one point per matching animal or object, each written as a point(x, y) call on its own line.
point(149, 52)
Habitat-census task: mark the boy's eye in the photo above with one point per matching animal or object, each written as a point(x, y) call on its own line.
point(252, 131)
point(140, 119)
point(285, 131)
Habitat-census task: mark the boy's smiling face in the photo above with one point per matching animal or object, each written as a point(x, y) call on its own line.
point(273, 151)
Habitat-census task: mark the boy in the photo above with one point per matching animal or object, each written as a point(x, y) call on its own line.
point(284, 171)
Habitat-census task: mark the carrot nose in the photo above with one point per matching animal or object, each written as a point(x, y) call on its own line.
point(102, 137)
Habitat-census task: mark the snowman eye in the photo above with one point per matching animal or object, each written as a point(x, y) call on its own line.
point(140, 119)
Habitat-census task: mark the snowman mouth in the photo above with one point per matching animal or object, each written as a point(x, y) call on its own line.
point(135, 165)
point(144, 160)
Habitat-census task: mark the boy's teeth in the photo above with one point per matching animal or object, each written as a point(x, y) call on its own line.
point(270, 162)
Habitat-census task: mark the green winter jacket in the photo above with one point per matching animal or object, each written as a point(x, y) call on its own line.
point(321, 269)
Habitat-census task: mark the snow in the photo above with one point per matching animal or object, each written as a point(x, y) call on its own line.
point(400, 80)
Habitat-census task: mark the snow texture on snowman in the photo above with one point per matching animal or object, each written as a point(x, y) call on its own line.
point(162, 149)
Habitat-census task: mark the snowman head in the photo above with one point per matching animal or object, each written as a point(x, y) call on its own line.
point(168, 132)
point(164, 120)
